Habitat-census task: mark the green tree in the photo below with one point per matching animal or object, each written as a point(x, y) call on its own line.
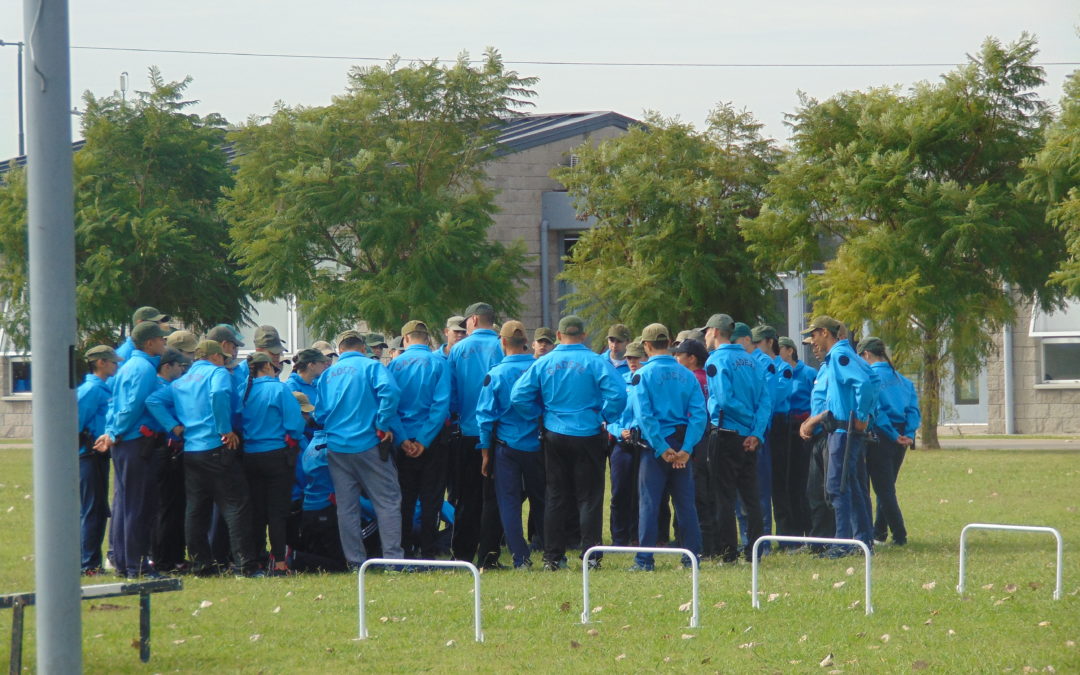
point(375, 206)
point(1053, 179)
point(917, 195)
point(668, 199)
point(146, 226)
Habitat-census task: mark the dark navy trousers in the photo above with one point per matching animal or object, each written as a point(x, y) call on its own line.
point(94, 512)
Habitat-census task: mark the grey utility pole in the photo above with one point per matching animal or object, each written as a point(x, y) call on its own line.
point(19, 69)
point(51, 221)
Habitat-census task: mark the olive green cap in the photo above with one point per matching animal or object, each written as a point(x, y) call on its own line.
point(207, 348)
point(102, 353)
point(871, 344)
point(259, 357)
point(721, 321)
point(740, 330)
point(173, 355)
point(148, 314)
point(479, 308)
point(144, 331)
point(375, 340)
point(544, 333)
point(571, 325)
point(345, 335)
point(827, 322)
point(655, 332)
point(414, 326)
point(224, 332)
point(762, 332)
point(310, 355)
point(786, 342)
point(184, 340)
point(635, 350)
point(620, 332)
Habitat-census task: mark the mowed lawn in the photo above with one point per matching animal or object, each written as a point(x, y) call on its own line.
point(810, 608)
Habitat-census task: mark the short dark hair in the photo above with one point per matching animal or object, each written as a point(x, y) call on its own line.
point(518, 341)
point(351, 342)
point(659, 344)
point(417, 335)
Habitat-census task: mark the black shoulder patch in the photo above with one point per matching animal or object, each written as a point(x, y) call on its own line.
point(844, 359)
point(772, 369)
point(711, 370)
point(487, 380)
point(787, 374)
point(634, 380)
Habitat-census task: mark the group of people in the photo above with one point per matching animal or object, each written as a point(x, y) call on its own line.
point(364, 447)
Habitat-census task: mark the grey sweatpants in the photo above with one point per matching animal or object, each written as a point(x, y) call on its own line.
point(358, 472)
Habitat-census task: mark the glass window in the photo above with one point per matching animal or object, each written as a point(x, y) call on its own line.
point(1060, 360)
point(966, 390)
point(19, 381)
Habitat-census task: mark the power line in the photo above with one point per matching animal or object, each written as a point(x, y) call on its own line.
point(630, 64)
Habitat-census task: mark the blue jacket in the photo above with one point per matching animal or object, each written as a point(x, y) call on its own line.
point(574, 388)
point(470, 360)
point(133, 384)
point(621, 367)
point(768, 376)
point(496, 417)
point(270, 413)
point(297, 383)
point(782, 391)
point(736, 391)
point(852, 386)
point(202, 399)
point(93, 395)
point(163, 416)
point(667, 395)
point(318, 486)
point(898, 404)
point(626, 419)
point(424, 382)
point(357, 396)
point(802, 383)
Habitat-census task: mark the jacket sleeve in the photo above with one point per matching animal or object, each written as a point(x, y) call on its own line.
point(912, 414)
point(221, 400)
point(291, 415)
point(160, 405)
point(525, 396)
point(387, 394)
point(695, 426)
point(440, 402)
point(762, 410)
point(612, 392)
point(487, 411)
point(645, 415)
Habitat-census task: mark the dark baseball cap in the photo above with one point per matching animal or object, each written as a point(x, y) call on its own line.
point(693, 348)
point(544, 333)
point(786, 342)
point(721, 321)
point(224, 332)
point(102, 352)
point(376, 340)
point(871, 344)
point(146, 330)
point(741, 330)
point(267, 337)
point(571, 325)
point(310, 355)
point(620, 332)
point(762, 332)
point(479, 308)
point(148, 314)
point(172, 355)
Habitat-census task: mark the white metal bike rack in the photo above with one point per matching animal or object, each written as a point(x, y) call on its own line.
point(638, 549)
point(756, 602)
point(422, 563)
point(1011, 528)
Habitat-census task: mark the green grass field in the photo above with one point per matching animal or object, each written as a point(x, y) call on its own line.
point(810, 608)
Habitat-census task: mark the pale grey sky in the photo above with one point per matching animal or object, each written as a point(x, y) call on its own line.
point(785, 31)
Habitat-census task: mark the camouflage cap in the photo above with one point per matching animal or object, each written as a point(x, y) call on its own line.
point(375, 340)
point(184, 340)
point(635, 350)
point(267, 337)
point(102, 353)
point(620, 332)
point(827, 322)
point(544, 333)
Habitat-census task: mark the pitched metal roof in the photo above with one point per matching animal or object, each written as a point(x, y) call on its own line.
point(518, 133)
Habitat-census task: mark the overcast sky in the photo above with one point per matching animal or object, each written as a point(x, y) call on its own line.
point(692, 31)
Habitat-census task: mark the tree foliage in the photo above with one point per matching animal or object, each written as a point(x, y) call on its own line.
point(917, 193)
point(668, 199)
point(146, 226)
point(1053, 179)
point(374, 207)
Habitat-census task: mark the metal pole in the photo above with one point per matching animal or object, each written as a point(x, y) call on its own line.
point(22, 133)
point(50, 217)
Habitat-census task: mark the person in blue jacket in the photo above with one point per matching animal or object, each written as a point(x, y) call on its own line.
point(623, 514)
point(577, 392)
point(213, 471)
point(739, 418)
point(896, 420)
point(320, 543)
point(760, 345)
point(850, 399)
point(142, 315)
point(358, 400)
point(167, 544)
point(127, 434)
point(477, 529)
point(419, 433)
point(669, 408)
point(618, 336)
point(273, 429)
point(308, 365)
point(509, 443)
point(94, 395)
point(790, 476)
